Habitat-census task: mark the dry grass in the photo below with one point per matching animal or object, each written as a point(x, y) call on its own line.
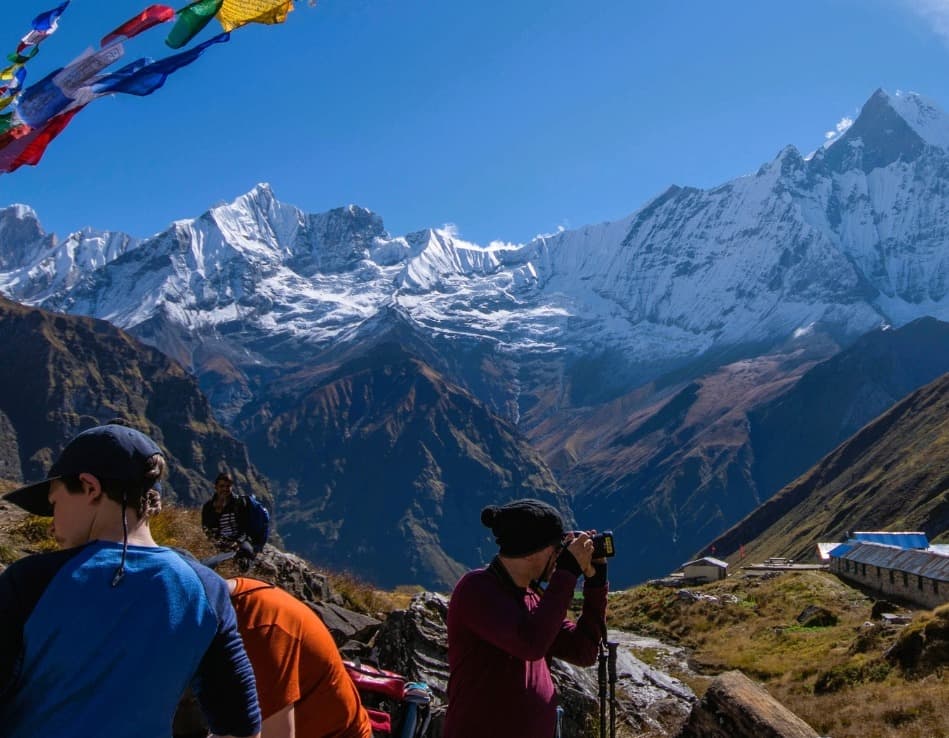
point(362, 597)
point(180, 527)
point(834, 677)
point(32, 533)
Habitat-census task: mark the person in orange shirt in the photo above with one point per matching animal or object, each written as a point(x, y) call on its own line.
point(302, 686)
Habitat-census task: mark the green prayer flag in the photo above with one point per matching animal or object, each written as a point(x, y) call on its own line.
point(7, 121)
point(191, 19)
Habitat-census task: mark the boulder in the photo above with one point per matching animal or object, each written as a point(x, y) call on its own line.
point(293, 574)
point(414, 642)
point(880, 607)
point(345, 625)
point(923, 646)
point(815, 616)
point(736, 707)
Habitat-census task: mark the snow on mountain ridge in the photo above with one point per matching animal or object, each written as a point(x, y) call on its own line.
point(923, 116)
point(850, 238)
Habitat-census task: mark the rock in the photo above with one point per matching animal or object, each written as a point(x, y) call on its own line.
point(868, 638)
point(649, 701)
point(294, 575)
point(923, 646)
point(815, 616)
point(345, 625)
point(880, 607)
point(414, 642)
point(736, 707)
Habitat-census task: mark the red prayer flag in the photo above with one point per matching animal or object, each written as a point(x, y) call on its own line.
point(151, 16)
point(30, 148)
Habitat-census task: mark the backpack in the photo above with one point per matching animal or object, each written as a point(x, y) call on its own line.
point(397, 708)
point(256, 522)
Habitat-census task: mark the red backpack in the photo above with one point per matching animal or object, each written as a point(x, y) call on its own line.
point(397, 707)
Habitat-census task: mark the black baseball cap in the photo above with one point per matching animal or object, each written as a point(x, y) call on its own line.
point(106, 451)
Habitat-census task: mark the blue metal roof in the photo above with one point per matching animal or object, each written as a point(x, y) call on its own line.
point(841, 549)
point(903, 539)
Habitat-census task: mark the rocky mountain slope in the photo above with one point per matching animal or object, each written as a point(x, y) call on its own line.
point(668, 477)
point(384, 468)
point(893, 474)
point(691, 312)
point(61, 374)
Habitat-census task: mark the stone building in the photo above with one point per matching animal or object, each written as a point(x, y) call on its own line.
point(920, 576)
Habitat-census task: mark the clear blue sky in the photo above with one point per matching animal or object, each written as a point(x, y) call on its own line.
point(505, 117)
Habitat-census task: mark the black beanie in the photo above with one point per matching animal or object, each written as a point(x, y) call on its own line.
point(524, 526)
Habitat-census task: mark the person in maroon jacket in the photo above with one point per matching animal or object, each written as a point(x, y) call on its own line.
point(503, 628)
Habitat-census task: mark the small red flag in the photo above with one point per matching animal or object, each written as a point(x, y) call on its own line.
point(151, 16)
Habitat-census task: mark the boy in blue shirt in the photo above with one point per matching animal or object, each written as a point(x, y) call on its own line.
point(103, 637)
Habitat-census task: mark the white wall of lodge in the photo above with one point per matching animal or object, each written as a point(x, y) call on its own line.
point(703, 572)
point(920, 590)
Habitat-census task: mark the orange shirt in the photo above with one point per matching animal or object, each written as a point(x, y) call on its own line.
point(296, 661)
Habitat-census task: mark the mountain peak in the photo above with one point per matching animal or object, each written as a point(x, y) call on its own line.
point(260, 197)
point(890, 128)
point(922, 115)
point(22, 235)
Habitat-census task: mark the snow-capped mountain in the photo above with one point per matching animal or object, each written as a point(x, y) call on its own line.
point(851, 237)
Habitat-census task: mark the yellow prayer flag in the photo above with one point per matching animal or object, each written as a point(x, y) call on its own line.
point(10, 72)
point(235, 13)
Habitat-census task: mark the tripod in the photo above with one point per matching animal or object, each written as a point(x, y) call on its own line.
point(606, 675)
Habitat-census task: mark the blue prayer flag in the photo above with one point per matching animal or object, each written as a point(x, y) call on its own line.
point(47, 21)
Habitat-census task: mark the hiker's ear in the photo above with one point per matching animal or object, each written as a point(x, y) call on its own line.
point(91, 486)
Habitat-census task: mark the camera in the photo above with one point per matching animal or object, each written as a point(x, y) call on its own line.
point(603, 545)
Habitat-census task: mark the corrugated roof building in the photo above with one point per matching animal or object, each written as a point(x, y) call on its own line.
point(919, 576)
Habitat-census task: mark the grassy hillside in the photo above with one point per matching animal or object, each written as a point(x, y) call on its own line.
point(892, 475)
point(834, 676)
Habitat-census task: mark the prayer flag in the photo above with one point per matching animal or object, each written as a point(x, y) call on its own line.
point(47, 21)
point(42, 100)
point(29, 149)
point(8, 121)
point(18, 58)
point(15, 75)
point(191, 19)
point(31, 39)
point(144, 76)
point(65, 87)
point(80, 72)
point(151, 16)
point(236, 13)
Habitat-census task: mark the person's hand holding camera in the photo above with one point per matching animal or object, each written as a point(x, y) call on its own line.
point(581, 548)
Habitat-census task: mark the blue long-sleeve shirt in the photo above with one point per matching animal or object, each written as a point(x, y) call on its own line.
point(81, 657)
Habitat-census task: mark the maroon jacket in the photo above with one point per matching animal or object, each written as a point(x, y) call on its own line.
point(500, 637)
